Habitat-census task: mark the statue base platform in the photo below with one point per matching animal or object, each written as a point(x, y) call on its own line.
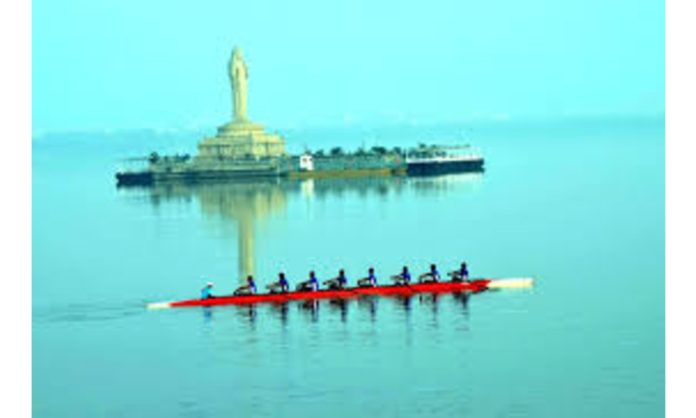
point(242, 140)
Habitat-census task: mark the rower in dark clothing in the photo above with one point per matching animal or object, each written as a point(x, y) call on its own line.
point(461, 275)
point(402, 278)
point(247, 289)
point(338, 282)
point(432, 276)
point(311, 285)
point(370, 280)
point(281, 286)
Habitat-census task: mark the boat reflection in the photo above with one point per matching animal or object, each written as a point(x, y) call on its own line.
point(404, 302)
point(462, 299)
point(310, 308)
point(248, 313)
point(340, 305)
point(369, 303)
point(430, 299)
point(207, 315)
point(281, 311)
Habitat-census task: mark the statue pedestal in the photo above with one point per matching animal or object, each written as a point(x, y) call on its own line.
point(242, 140)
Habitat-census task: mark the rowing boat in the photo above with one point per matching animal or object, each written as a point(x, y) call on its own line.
point(473, 286)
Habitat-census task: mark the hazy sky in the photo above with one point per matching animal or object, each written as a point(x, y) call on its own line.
point(114, 64)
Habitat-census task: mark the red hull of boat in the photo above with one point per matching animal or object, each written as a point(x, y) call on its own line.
point(447, 287)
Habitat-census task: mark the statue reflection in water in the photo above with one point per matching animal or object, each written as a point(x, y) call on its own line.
point(235, 208)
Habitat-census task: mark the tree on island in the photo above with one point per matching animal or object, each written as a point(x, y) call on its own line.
point(336, 151)
point(378, 150)
point(319, 153)
point(154, 157)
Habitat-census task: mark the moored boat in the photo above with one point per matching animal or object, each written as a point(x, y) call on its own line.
point(437, 160)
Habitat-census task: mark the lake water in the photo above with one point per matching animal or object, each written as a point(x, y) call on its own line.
point(578, 205)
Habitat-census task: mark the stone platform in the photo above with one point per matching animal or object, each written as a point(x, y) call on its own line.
point(241, 140)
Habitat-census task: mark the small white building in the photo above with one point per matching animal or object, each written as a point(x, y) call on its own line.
point(306, 162)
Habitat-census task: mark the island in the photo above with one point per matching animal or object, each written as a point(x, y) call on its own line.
point(243, 149)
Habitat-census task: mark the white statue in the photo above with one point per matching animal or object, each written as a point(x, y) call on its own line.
point(238, 79)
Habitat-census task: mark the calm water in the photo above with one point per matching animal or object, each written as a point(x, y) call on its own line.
point(579, 206)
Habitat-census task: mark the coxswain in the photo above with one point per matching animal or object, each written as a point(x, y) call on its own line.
point(461, 275)
point(311, 285)
point(339, 282)
point(402, 278)
point(281, 286)
point(432, 276)
point(370, 280)
point(205, 292)
point(247, 289)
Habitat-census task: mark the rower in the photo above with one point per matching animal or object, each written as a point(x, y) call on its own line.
point(432, 276)
point(205, 292)
point(339, 282)
point(370, 280)
point(281, 286)
point(311, 285)
point(461, 275)
point(247, 289)
point(403, 278)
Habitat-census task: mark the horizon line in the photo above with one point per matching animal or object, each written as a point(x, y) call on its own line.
point(501, 119)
